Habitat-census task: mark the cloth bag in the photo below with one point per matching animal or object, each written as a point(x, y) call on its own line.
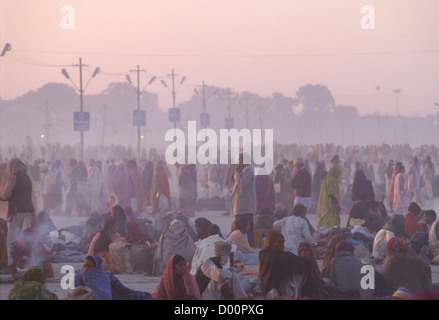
point(121, 257)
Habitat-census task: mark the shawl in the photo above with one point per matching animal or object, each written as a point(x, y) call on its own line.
point(329, 253)
point(166, 288)
point(203, 252)
point(16, 166)
point(97, 279)
point(135, 234)
point(361, 183)
point(329, 186)
point(274, 267)
point(31, 286)
point(309, 254)
point(265, 195)
point(411, 225)
point(3, 244)
point(175, 240)
point(396, 225)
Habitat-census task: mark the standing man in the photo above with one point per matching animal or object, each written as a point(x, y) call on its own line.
point(244, 194)
point(388, 173)
point(301, 184)
point(18, 193)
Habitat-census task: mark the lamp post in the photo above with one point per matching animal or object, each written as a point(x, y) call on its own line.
point(203, 97)
point(138, 91)
point(81, 95)
point(173, 90)
point(397, 91)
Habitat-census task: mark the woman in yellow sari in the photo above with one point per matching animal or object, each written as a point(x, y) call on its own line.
point(328, 211)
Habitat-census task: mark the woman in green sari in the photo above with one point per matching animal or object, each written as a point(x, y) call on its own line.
point(328, 211)
point(31, 286)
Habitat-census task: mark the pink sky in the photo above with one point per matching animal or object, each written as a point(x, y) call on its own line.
point(247, 45)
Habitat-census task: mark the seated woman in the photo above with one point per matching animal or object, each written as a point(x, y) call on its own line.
point(175, 240)
point(244, 253)
point(283, 274)
point(100, 245)
point(31, 286)
point(345, 273)
point(176, 283)
point(304, 249)
point(105, 286)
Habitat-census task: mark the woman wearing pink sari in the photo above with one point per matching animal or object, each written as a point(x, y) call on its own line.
point(176, 282)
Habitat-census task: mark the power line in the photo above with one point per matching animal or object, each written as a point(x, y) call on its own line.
point(236, 55)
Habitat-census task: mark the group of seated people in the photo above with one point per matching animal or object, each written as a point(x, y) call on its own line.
point(195, 261)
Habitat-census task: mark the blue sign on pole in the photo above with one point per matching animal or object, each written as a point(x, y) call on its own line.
point(205, 119)
point(81, 121)
point(174, 115)
point(139, 117)
point(228, 123)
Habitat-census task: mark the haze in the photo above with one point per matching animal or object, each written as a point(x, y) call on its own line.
point(247, 45)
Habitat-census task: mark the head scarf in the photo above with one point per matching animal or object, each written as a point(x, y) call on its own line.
point(97, 279)
point(395, 245)
point(310, 256)
point(166, 290)
point(344, 245)
point(396, 225)
point(31, 286)
point(221, 248)
point(271, 237)
point(16, 165)
point(418, 240)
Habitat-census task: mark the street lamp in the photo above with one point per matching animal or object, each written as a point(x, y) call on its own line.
point(173, 90)
point(397, 91)
point(81, 94)
point(138, 91)
point(203, 97)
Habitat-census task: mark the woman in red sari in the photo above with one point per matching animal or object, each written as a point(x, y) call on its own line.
point(176, 282)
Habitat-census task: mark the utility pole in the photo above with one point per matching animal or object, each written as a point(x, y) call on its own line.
point(47, 125)
point(138, 91)
point(246, 111)
point(81, 93)
point(173, 90)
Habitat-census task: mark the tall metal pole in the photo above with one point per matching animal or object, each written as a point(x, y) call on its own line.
point(81, 155)
point(246, 111)
point(138, 108)
point(173, 94)
point(229, 105)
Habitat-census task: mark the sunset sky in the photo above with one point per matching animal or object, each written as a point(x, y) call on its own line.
point(248, 45)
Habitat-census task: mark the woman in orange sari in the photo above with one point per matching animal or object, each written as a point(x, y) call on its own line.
point(176, 282)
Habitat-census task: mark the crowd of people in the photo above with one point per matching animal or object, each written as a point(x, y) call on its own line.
point(390, 226)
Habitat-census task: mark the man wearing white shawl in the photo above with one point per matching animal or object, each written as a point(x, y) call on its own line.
point(222, 283)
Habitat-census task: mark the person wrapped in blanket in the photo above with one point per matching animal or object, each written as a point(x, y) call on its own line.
point(105, 286)
point(28, 251)
point(31, 286)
